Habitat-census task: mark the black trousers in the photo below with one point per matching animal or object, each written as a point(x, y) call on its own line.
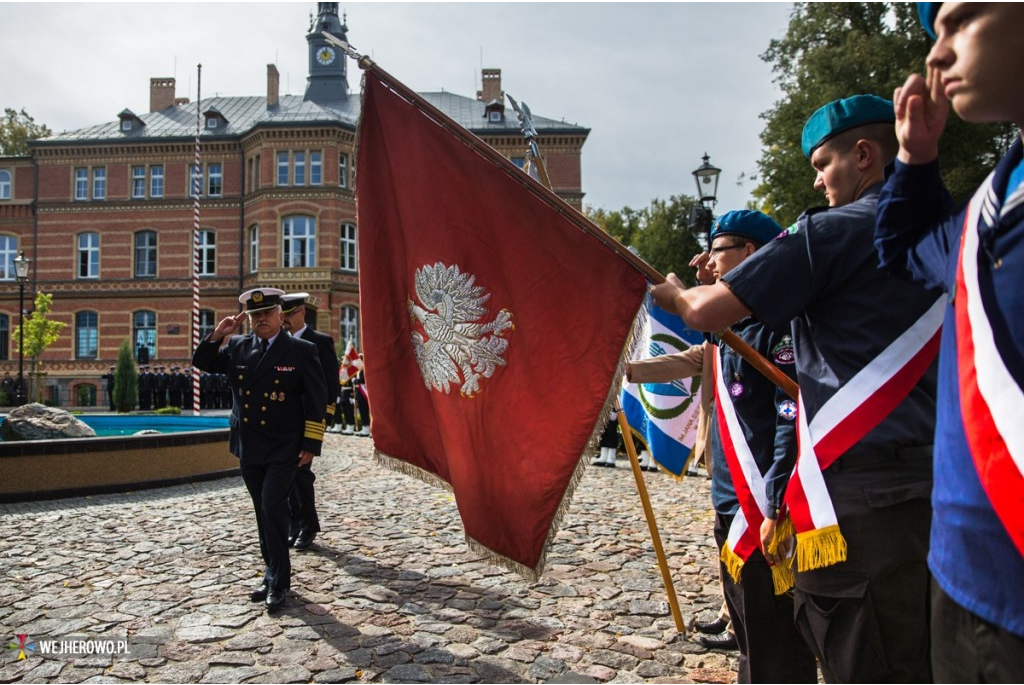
point(771, 649)
point(347, 410)
point(268, 486)
point(302, 502)
point(866, 619)
point(968, 649)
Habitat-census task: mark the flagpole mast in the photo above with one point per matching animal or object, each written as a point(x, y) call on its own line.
point(196, 189)
point(748, 353)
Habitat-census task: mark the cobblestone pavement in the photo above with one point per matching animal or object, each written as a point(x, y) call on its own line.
point(389, 592)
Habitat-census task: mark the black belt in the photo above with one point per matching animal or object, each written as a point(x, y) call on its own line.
point(882, 455)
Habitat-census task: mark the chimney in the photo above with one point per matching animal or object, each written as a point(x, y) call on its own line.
point(161, 93)
point(273, 86)
point(491, 81)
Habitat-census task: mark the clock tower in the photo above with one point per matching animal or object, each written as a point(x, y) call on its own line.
point(327, 80)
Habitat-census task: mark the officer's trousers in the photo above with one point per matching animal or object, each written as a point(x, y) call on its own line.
point(268, 486)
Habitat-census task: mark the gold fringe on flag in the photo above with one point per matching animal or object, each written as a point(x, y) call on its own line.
point(820, 548)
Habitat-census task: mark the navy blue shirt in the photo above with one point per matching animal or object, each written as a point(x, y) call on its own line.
point(971, 555)
point(823, 280)
point(765, 413)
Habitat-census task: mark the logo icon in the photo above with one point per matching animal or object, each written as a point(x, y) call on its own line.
point(23, 645)
point(451, 344)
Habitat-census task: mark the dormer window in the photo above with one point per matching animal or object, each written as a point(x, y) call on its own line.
point(495, 112)
point(214, 119)
point(130, 122)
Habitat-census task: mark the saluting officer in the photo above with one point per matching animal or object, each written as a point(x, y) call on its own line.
point(277, 419)
point(305, 522)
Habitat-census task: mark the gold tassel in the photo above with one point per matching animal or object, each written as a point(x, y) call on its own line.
point(733, 564)
point(820, 548)
point(782, 574)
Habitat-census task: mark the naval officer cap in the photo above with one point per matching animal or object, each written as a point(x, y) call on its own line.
point(842, 115)
point(259, 299)
point(292, 301)
point(926, 13)
point(754, 226)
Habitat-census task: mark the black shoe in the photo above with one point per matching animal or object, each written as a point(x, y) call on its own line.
point(275, 599)
point(725, 641)
point(711, 627)
point(259, 594)
point(304, 540)
point(292, 537)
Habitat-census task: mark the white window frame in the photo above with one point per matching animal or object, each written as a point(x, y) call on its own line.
point(342, 170)
point(316, 168)
point(207, 253)
point(138, 182)
point(150, 249)
point(349, 252)
point(298, 249)
point(87, 266)
point(99, 183)
point(81, 183)
point(299, 168)
point(282, 168)
point(91, 346)
point(348, 325)
point(8, 251)
point(215, 179)
point(5, 184)
point(156, 180)
point(254, 248)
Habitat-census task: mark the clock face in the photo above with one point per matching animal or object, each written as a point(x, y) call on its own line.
point(325, 55)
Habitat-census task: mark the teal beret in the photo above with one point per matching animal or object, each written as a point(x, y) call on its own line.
point(746, 223)
point(926, 13)
point(842, 115)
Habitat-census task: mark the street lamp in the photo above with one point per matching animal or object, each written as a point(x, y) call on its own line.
point(21, 266)
point(702, 215)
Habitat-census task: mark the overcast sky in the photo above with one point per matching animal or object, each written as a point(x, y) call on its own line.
point(658, 84)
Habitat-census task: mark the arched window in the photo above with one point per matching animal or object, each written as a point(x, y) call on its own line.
point(88, 255)
point(350, 325)
point(145, 254)
point(349, 254)
point(299, 249)
point(5, 184)
point(144, 335)
point(8, 251)
point(254, 248)
point(86, 335)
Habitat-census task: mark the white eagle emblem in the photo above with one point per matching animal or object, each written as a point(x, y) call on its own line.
point(451, 345)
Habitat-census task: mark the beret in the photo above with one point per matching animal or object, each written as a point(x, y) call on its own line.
point(842, 115)
point(926, 13)
point(746, 223)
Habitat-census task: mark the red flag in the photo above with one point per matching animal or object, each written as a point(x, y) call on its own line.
point(496, 326)
point(350, 363)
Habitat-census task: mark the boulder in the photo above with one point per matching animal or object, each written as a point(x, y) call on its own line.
point(39, 422)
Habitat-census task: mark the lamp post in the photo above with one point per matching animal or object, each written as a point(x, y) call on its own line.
point(702, 215)
point(21, 266)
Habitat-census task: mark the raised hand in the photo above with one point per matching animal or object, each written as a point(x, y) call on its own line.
point(921, 111)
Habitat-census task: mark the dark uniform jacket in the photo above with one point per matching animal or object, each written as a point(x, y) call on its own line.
point(279, 402)
point(329, 364)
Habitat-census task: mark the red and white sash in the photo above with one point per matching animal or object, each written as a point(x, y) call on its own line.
point(840, 423)
point(745, 532)
point(990, 397)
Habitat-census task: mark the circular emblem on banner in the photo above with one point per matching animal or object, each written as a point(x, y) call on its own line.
point(452, 342)
point(787, 409)
point(735, 389)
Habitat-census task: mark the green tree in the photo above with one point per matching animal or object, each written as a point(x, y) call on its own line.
point(834, 50)
point(126, 379)
point(659, 233)
point(16, 129)
point(40, 332)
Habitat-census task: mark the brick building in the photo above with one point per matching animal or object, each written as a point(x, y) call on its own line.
point(105, 213)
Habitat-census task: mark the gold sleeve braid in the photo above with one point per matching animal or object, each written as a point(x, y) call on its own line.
point(314, 430)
